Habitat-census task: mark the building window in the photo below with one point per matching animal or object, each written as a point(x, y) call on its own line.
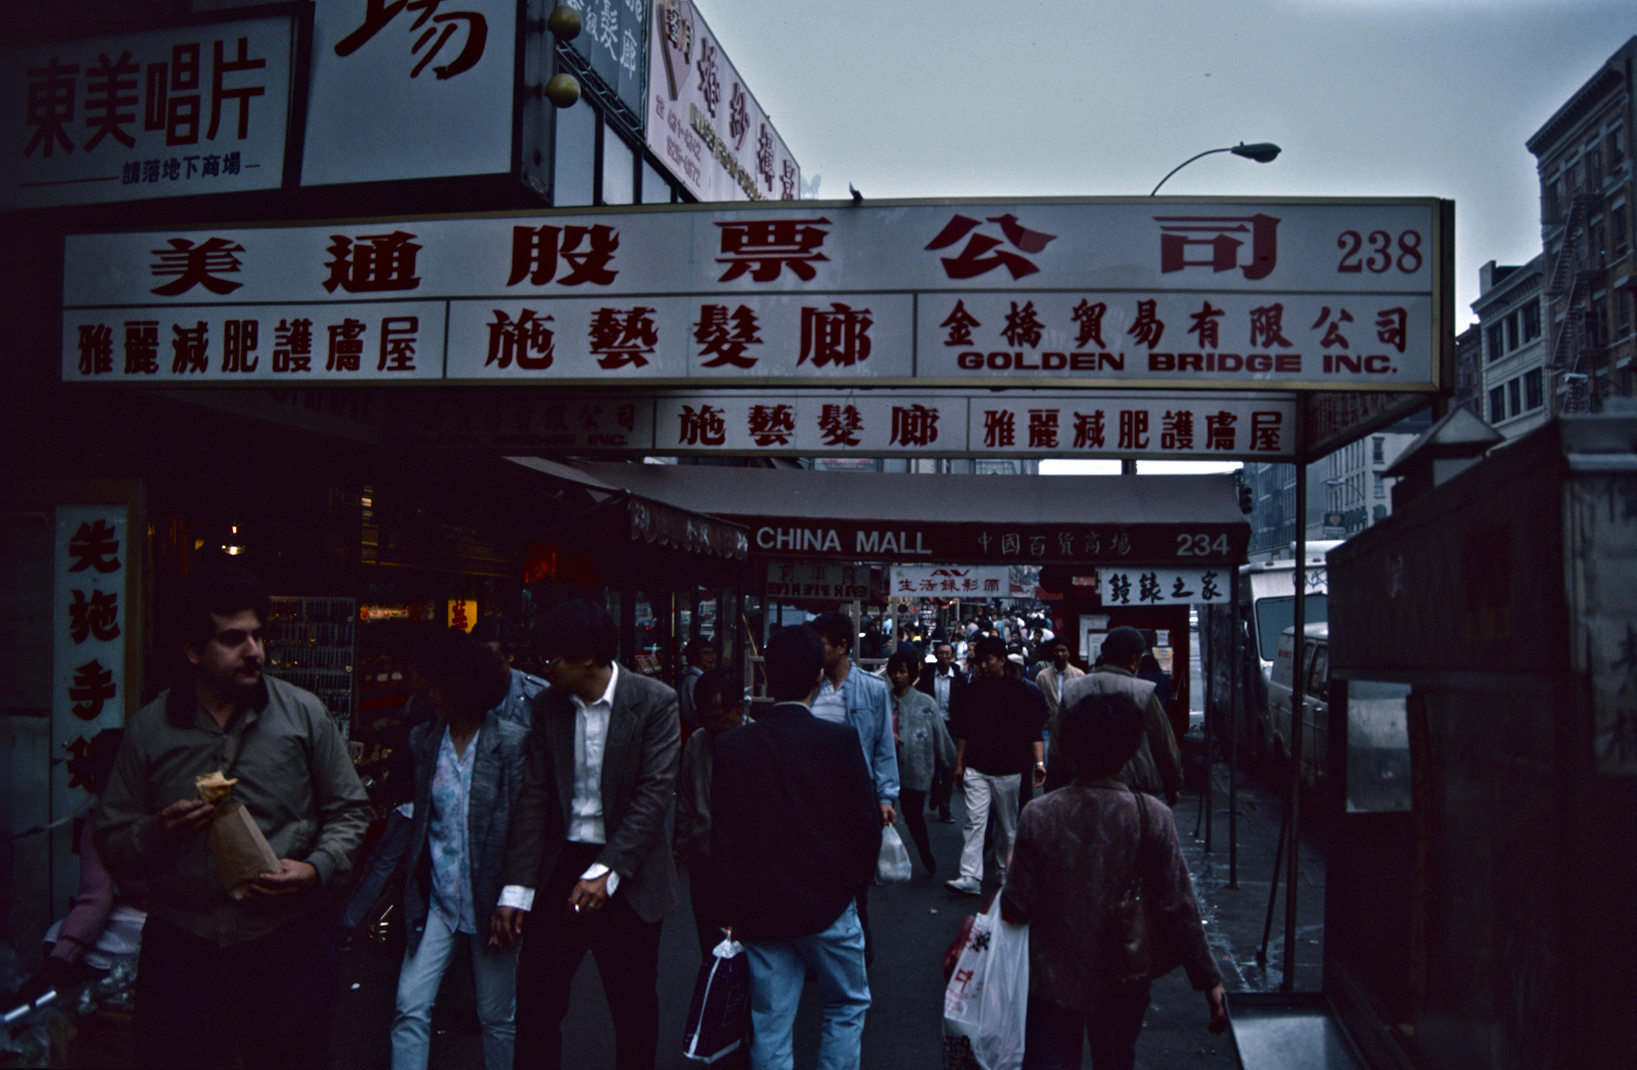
point(619, 175)
point(1497, 336)
point(1497, 404)
point(1531, 321)
point(1512, 331)
point(1381, 486)
point(1622, 311)
point(574, 168)
point(1615, 146)
point(1619, 233)
point(1514, 390)
point(1532, 394)
point(1378, 450)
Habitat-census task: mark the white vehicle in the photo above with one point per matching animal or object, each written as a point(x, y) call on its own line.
point(1267, 598)
point(1305, 682)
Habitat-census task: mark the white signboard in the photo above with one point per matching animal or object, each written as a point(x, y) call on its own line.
point(702, 120)
point(951, 581)
point(167, 113)
point(925, 423)
point(790, 580)
point(1083, 294)
point(1162, 586)
point(416, 90)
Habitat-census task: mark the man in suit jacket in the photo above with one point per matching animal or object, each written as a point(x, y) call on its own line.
point(941, 680)
point(591, 839)
point(1053, 677)
point(795, 834)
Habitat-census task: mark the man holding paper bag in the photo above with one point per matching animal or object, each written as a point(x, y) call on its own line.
point(232, 966)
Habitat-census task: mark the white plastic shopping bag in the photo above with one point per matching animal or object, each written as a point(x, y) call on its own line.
point(893, 864)
point(986, 1000)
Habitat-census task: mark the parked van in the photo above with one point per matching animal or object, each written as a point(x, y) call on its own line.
point(1306, 681)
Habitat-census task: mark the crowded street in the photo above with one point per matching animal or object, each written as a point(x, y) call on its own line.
point(912, 923)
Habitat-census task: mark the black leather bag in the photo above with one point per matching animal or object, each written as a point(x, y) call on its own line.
point(1137, 951)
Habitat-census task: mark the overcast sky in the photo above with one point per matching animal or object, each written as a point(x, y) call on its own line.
point(959, 98)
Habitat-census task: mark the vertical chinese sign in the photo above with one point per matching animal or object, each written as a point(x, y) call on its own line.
point(90, 617)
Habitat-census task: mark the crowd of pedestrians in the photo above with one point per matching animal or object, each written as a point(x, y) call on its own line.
point(537, 819)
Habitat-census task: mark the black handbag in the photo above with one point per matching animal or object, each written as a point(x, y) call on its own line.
point(1137, 951)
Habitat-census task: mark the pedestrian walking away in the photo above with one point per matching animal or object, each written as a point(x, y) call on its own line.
point(1156, 767)
point(795, 832)
point(1078, 851)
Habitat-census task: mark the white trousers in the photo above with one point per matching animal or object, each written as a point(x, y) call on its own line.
point(983, 793)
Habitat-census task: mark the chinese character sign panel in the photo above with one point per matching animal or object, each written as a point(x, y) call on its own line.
point(613, 40)
point(169, 113)
point(703, 122)
point(789, 581)
point(1165, 586)
point(415, 89)
point(89, 620)
point(1037, 295)
point(950, 581)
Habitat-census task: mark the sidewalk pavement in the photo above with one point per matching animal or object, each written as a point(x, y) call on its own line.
point(912, 923)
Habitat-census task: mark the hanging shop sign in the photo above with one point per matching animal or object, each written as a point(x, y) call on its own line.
point(1173, 425)
point(703, 123)
point(790, 581)
point(951, 581)
point(167, 113)
point(406, 91)
point(613, 42)
point(1159, 586)
point(1296, 295)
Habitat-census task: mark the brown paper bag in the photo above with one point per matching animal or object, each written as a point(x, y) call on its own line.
point(239, 849)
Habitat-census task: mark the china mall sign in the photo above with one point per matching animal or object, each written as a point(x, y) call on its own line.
point(1150, 294)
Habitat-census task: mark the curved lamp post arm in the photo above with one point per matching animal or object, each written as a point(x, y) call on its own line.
point(1261, 152)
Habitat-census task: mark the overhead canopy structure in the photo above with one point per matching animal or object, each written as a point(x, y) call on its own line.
point(630, 536)
point(1175, 521)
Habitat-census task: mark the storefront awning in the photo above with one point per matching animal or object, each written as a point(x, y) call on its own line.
point(644, 519)
point(1175, 521)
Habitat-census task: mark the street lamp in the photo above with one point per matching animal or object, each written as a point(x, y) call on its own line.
point(1261, 152)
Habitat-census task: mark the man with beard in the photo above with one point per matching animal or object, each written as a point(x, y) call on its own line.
point(221, 977)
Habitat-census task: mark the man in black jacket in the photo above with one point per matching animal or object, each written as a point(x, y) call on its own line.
point(795, 834)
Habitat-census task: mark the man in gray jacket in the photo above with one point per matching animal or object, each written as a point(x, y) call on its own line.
point(591, 840)
point(1157, 767)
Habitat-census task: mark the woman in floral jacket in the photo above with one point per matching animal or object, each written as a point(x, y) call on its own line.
point(1076, 853)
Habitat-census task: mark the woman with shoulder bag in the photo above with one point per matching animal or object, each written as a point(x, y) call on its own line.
point(1090, 858)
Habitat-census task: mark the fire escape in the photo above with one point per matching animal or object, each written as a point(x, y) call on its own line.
point(1576, 344)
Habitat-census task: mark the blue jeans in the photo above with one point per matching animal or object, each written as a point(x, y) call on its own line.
point(495, 974)
point(777, 969)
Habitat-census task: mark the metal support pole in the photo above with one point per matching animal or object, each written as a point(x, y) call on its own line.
point(1236, 703)
point(1297, 668)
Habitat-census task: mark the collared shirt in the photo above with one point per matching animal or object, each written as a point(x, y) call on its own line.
point(585, 820)
point(448, 845)
point(830, 704)
point(294, 777)
point(942, 682)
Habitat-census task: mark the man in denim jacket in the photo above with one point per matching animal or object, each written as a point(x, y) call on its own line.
point(848, 695)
